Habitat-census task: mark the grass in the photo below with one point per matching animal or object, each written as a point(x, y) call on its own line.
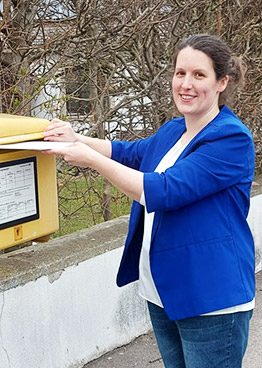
point(81, 203)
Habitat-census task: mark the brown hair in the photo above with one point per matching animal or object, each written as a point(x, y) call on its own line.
point(223, 61)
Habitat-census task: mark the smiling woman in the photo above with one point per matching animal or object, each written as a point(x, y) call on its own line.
point(189, 244)
point(195, 87)
point(201, 77)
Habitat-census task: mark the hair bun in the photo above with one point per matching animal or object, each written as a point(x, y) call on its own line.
point(237, 70)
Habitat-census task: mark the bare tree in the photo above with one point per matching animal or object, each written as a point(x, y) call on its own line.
point(106, 65)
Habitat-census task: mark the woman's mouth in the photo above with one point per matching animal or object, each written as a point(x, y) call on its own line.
point(187, 97)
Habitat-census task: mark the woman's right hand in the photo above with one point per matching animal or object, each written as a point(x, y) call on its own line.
point(60, 131)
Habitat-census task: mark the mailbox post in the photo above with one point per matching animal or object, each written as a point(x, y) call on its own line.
point(28, 189)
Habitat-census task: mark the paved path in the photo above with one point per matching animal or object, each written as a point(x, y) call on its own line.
point(143, 352)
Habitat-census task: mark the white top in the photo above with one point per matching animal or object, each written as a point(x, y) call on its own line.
point(146, 285)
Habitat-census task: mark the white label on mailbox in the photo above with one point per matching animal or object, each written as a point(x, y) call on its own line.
point(17, 192)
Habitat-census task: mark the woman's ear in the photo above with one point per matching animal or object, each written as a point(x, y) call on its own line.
point(222, 83)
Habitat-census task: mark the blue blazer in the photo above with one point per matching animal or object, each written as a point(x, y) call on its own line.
point(202, 251)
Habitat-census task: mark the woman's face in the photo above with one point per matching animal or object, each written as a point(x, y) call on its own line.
point(195, 87)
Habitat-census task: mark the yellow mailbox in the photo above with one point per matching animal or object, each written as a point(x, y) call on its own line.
point(28, 191)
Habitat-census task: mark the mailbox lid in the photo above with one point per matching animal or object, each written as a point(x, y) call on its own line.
point(15, 128)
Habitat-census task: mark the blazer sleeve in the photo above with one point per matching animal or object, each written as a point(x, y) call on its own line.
point(222, 158)
point(129, 153)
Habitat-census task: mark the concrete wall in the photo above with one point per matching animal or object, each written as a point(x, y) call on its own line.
point(59, 305)
point(255, 223)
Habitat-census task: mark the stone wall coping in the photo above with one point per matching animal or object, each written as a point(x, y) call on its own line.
point(19, 267)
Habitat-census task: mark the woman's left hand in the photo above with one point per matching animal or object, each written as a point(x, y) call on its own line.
point(76, 154)
point(129, 181)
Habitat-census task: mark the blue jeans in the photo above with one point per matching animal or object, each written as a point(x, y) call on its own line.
point(201, 342)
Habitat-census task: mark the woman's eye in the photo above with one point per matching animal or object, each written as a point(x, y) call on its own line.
point(180, 72)
point(199, 75)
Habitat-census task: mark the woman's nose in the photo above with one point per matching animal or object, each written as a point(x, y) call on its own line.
point(187, 82)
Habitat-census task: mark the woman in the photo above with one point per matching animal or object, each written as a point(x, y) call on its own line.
point(188, 244)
